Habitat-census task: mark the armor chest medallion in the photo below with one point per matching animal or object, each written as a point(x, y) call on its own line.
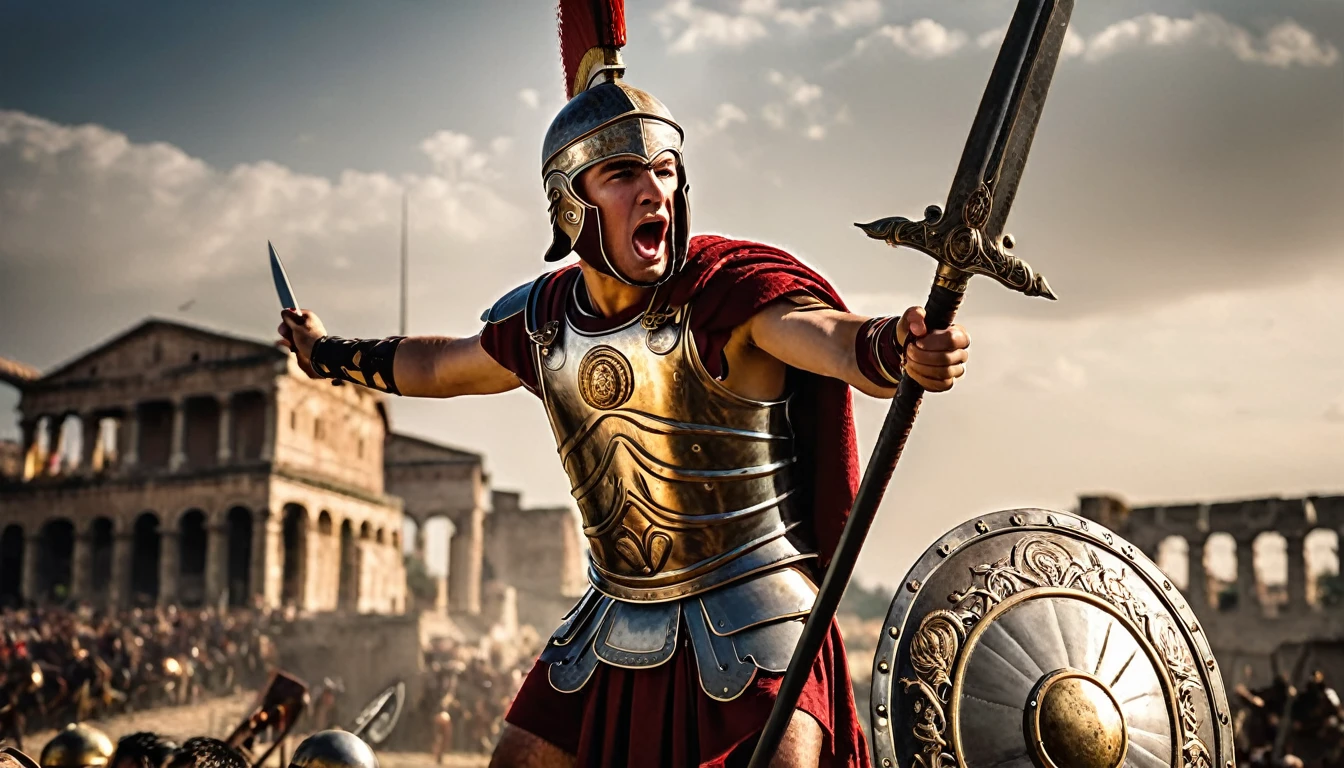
point(605, 378)
point(683, 485)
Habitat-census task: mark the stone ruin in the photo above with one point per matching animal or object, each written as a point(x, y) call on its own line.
point(176, 464)
point(1260, 574)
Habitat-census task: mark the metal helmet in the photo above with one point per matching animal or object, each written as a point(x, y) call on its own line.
point(604, 119)
point(77, 746)
point(333, 749)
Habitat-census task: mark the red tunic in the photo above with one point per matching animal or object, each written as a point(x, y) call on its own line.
point(660, 717)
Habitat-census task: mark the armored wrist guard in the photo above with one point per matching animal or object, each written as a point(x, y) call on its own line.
point(878, 354)
point(367, 362)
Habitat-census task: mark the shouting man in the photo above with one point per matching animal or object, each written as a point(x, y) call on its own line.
point(698, 389)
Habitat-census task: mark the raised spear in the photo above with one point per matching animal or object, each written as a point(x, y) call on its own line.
point(966, 238)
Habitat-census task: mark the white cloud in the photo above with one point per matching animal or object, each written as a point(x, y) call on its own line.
point(530, 97)
point(689, 26)
point(923, 39)
point(798, 91)
point(802, 105)
point(130, 216)
point(1283, 45)
point(726, 115)
point(1058, 376)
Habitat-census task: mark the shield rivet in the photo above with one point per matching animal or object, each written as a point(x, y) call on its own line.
point(1211, 663)
point(894, 631)
point(1082, 524)
point(882, 709)
point(1166, 585)
point(1222, 718)
point(1109, 538)
point(1050, 520)
point(913, 586)
point(881, 723)
point(980, 527)
point(886, 762)
point(1015, 519)
point(945, 550)
point(883, 666)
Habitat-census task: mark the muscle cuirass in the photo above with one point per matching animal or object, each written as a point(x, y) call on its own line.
point(687, 492)
point(682, 484)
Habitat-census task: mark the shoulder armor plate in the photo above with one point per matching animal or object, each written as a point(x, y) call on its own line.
point(511, 304)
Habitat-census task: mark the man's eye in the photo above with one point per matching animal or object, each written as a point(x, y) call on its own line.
point(620, 175)
point(666, 172)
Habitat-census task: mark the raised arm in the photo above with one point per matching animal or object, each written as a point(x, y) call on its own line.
point(414, 366)
point(865, 352)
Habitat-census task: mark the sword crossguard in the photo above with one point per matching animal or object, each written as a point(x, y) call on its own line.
point(959, 244)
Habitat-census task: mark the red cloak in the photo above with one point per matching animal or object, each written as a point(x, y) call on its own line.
point(659, 717)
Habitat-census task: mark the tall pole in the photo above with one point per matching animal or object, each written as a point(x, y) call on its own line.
point(405, 261)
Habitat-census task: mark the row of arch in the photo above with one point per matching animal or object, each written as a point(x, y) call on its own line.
point(56, 563)
point(1276, 576)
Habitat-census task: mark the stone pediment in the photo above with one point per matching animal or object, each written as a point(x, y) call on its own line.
point(159, 347)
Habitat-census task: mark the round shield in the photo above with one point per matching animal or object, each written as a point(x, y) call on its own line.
point(375, 722)
point(1032, 638)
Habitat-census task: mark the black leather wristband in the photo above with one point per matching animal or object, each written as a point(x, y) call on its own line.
point(367, 362)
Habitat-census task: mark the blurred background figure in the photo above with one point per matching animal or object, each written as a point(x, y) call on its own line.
point(205, 752)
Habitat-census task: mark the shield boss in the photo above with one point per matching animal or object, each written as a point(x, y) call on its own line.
point(1030, 638)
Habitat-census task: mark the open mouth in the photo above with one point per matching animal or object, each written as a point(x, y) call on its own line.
point(648, 239)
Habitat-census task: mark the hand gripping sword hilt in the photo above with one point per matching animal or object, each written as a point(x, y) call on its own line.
point(961, 248)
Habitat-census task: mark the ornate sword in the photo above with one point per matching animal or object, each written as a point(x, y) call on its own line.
point(966, 238)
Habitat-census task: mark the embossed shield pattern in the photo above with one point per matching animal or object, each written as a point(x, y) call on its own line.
point(1031, 638)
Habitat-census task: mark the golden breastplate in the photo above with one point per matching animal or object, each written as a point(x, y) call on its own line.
point(683, 486)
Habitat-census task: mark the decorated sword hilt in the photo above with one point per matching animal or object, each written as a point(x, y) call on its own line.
point(961, 247)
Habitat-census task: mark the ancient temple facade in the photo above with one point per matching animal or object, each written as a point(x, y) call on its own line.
point(177, 464)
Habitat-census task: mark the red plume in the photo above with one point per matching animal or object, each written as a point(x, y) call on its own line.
point(587, 24)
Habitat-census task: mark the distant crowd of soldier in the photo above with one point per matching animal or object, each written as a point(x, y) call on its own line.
point(471, 688)
point(1284, 726)
point(59, 666)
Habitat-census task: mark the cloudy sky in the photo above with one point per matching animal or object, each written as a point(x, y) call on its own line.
point(1184, 199)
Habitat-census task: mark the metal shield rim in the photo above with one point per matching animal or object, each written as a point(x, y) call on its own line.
point(894, 628)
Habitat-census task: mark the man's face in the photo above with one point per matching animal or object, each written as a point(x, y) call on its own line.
point(635, 203)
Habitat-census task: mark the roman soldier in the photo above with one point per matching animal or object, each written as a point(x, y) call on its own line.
point(698, 388)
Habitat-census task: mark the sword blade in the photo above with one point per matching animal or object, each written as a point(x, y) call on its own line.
point(1001, 134)
point(282, 288)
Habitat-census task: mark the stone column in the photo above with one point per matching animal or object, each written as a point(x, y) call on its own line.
point(1197, 586)
point(314, 560)
point(268, 427)
point(81, 566)
point(466, 551)
point(31, 462)
point(169, 552)
point(224, 451)
point(32, 553)
point(91, 453)
point(178, 455)
point(131, 427)
point(267, 553)
point(1248, 598)
point(55, 444)
point(1297, 573)
point(216, 564)
point(123, 549)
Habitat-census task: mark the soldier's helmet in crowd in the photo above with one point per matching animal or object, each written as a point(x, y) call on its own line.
point(333, 749)
point(77, 746)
